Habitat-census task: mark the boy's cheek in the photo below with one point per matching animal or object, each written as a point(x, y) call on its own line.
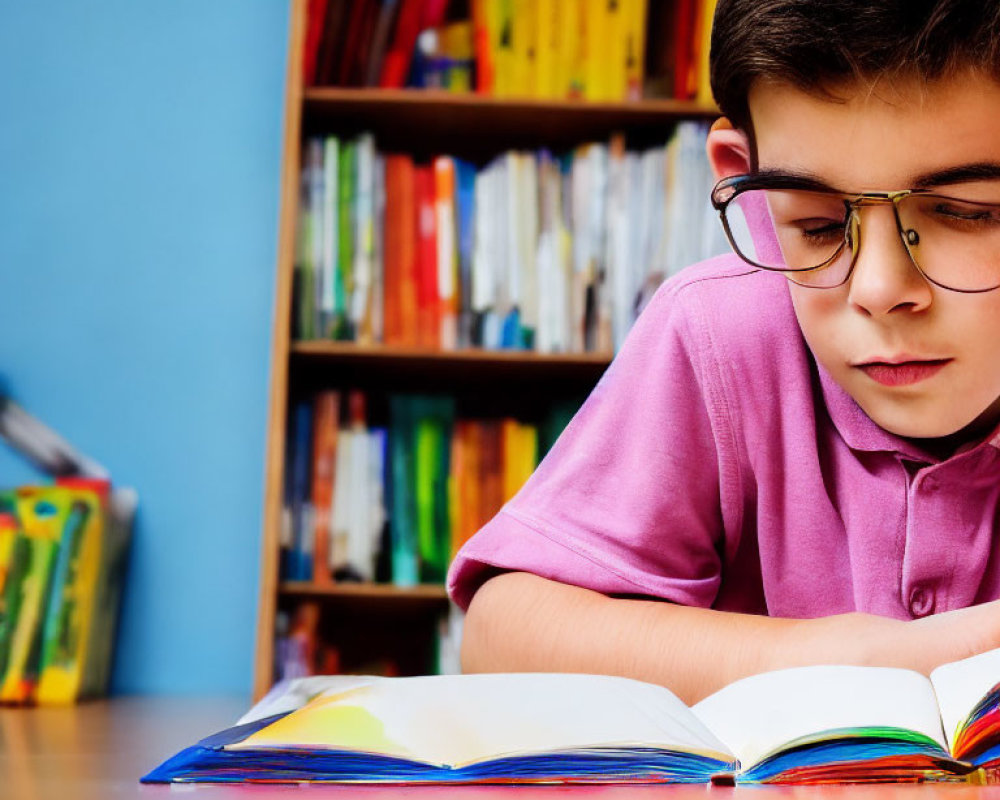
point(822, 317)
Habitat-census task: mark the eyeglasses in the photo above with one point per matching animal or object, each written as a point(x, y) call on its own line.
point(954, 243)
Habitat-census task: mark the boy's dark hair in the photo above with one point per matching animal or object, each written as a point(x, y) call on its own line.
point(815, 44)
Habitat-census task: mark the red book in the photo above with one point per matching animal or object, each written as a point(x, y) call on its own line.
point(400, 242)
point(397, 61)
point(428, 302)
point(331, 42)
point(684, 86)
point(353, 41)
point(315, 20)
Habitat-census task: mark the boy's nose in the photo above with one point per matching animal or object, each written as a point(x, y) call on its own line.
point(885, 278)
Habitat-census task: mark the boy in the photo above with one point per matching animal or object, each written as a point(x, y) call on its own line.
point(797, 467)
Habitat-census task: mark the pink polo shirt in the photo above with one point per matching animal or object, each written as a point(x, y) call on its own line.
point(716, 465)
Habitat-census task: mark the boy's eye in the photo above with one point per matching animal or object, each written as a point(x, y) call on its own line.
point(966, 215)
point(819, 230)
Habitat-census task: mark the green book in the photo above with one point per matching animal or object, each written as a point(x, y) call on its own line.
point(347, 176)
point(435, 419)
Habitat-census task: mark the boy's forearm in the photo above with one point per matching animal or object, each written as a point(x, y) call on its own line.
point(522, 623)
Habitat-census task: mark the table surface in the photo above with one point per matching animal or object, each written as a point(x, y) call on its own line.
point(101, 749)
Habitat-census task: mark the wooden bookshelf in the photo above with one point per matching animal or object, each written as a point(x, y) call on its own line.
point(422, 123)
point(377, 597)
point(473, 125)
point(360, 591)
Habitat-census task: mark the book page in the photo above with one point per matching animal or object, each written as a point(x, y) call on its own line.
point(457, 720)
point(961, 685)
point(760, 714)
point(293, 693)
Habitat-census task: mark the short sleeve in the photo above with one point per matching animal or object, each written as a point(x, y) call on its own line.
point(627, 502)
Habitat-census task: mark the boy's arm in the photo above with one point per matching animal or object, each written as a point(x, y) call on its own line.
point(519, 622)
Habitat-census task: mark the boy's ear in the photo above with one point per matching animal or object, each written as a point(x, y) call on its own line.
point(728, 150)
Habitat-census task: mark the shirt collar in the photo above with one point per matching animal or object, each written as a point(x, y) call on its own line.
point(860, 433)
point(858, 430)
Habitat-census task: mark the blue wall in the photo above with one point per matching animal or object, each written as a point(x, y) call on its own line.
point(140, 148)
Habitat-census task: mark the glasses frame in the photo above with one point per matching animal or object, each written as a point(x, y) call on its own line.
point(728, 189)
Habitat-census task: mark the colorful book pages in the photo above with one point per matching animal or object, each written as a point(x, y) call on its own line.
point(461, 729)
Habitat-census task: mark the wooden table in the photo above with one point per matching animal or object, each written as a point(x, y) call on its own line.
point(98, 751)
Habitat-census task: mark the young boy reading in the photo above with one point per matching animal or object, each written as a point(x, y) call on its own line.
point(795, 457)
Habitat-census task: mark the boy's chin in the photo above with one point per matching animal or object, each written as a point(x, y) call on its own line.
point(938, 431)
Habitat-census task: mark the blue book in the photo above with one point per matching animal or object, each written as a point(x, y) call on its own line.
point(300, 560)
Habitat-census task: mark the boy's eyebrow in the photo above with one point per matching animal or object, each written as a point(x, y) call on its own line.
point(964, 173)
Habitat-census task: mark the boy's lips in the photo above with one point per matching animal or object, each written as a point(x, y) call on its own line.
point(902, 371)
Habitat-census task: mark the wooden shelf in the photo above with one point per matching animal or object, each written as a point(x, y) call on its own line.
point(361, 591)
point(404, 369)
point(476, 126)
point(371, 601)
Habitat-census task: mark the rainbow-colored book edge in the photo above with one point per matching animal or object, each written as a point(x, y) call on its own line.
point(209, 761)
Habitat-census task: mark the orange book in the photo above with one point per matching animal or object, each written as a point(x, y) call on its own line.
point(467, 475)
point(482, 47)
point(400, 252)
point(326, 419)
point(428, 305)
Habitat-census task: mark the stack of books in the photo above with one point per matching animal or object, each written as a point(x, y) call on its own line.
point(532, 251)
point(594, 50)
point(63, 551)
point(62, 563)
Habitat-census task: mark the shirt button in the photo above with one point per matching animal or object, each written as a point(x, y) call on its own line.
point(921, 602)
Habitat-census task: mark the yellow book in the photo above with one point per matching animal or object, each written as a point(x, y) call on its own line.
point(500, 22)
point(67, 644)
point(520, 455)
point(703, 93)
point(42, 513)
point(547, 30)
point(635, 47)
point(523, 47)
point(569, 49)
point(616, 14)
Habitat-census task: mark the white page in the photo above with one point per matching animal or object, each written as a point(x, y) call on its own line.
point(961, 685)
point(461, 719)
point(760, 714)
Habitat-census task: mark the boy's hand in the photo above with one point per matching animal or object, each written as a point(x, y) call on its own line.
point(921, 644)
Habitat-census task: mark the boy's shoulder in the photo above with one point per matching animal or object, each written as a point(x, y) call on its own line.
point(731, 301)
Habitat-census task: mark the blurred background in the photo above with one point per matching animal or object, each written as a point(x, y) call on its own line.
point(479, 197)
point(140, 157)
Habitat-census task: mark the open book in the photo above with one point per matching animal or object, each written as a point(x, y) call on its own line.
point(819, 724)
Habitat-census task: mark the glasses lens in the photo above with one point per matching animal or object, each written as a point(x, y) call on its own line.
point(792, 230)
point(956, 243)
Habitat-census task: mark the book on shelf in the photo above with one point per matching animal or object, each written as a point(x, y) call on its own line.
point(806, 725)
point(531, 251)
point(390, 496)
point(595, 50)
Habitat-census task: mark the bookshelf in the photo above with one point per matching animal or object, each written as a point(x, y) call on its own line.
point(422, 122)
